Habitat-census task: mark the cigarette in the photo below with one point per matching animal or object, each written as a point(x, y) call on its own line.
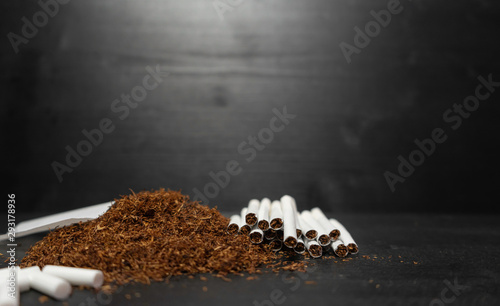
point(333, 231)
point(289, 227)
point(276, 245)
point(308, 231)
point(265, 206)
point(300, 247)
point(270, 234)
point(244, 228)
point(313, 247)
point(252, 212)
point(279, 234)
point(256, 235)
point(297, 221)
point(76, 276)
point(234, 225)
point(323, 237)
point(339, 248)
point(50, 285)
point(298, 227)
point(346, 237)
point(276, 215)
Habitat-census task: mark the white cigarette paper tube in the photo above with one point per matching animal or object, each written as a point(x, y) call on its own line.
point(333, 232)
point(313, 247)
point(234, 224)
point(9, 294)
point(276, 215)
point(77, 276)
point(244, 228)
point(289, 227)
point(252, 212)
point(339, 248)
point(14, 274)
point(346, 237)
point(256, 235)
point(23, 278)
point(323, 237)
point(297, 221)
point(300, 247)
point(307, 230)
point(50, 285)
point(265, 206)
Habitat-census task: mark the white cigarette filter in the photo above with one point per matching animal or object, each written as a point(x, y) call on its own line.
point(300, 247)
point(276, 215)
point(234, 225)
point(313, 247)
point(307, 230)
point(264, 209)
point(252, 212)
point(244, 228)
point(323, 236)
point(256, 235)
point(21, 278)
point(289, 227)
point(339, 248)
point(77, 276)
point(333, 231)
point(9, 294)
point(50, 285)
point(346, 237)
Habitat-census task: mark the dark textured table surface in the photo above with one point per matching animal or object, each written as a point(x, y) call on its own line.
point(410, 259)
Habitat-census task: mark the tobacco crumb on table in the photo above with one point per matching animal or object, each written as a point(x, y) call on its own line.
point(42, 299)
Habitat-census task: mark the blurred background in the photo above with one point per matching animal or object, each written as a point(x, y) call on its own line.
point(178, 87)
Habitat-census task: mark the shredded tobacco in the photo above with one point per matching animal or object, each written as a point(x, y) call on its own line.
point(151, 236)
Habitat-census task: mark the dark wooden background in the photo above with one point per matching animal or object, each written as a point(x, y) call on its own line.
point(224, 79)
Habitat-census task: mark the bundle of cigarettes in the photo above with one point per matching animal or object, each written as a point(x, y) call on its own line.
point(54, 281)
point(279, 223)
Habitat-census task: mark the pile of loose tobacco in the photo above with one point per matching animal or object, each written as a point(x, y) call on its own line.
point(152, 235)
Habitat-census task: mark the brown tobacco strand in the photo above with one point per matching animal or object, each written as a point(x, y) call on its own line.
point(276, 224)
point(151, 236)
point(232, 229)
point(334, 234)
point(263, 225)
point(341, 251)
